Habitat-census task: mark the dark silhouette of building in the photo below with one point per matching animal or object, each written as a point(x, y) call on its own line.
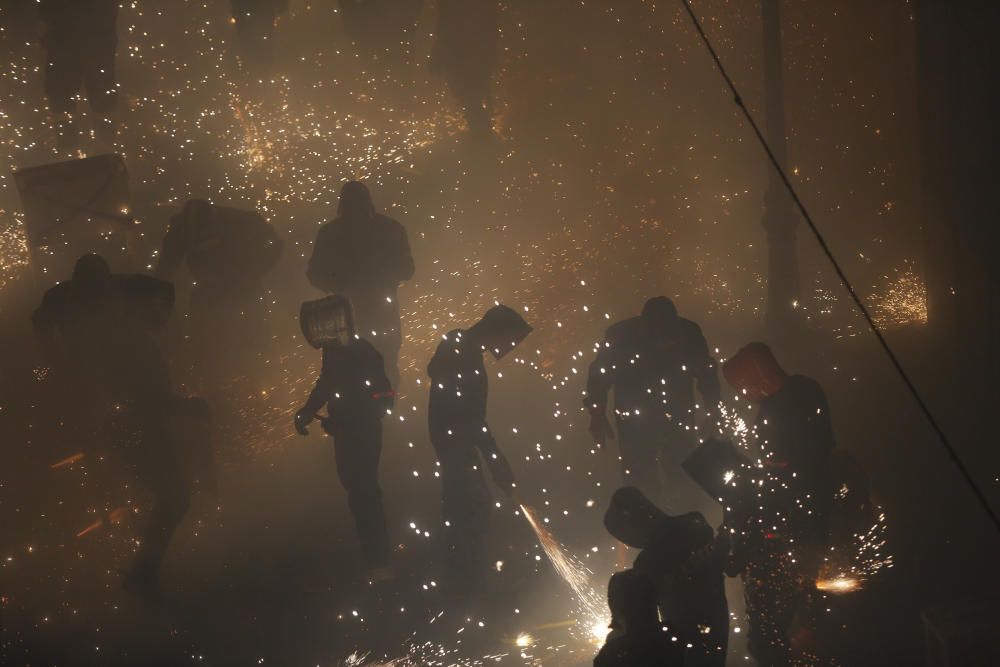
point(364, 255)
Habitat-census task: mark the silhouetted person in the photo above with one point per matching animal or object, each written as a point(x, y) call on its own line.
point(653, 362)
point(353, 387)
point(98, 327)
point(781, 531)
point(81, 42)
point(255, 22)
point(637, 637)
point(364, 255)
point(381, 27)
point(685, 562)
point(227, 252)
point(465, 53)
point(461, 436)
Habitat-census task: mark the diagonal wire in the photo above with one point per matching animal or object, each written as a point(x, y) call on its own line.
point(942, 437)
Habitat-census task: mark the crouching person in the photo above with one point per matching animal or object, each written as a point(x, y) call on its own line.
point(637, 637)
point(356, 392)
point(685, 562)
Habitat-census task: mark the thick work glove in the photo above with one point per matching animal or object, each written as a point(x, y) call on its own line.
point(302, 420)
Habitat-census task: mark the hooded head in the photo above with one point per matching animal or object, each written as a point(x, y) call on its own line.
point(755, 370)
point(501, 330)
point(355, 202)
point(91, 275)
point(328, 321)
point(632, 518)
point(659, 316)
point(632, 601)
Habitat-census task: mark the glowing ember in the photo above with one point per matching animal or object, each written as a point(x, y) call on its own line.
point(838, 585)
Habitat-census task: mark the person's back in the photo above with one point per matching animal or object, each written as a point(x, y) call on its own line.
point(364, 256)
point(105, 335)
point(637, 638)
point(459, 384)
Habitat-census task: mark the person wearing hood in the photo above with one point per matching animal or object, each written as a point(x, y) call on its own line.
point(637, 637)
point(364, 256)
point(461, 435)
point(81, 43)
point(653, 363)
point(685, 562)
point(781, 533)
point(98, 330)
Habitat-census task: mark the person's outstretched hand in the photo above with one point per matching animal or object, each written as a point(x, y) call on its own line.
point(302, 421)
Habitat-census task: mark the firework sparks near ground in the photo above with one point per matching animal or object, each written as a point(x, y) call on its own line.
point(591, 606)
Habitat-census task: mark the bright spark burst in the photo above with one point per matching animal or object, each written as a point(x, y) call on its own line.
point(590, 604)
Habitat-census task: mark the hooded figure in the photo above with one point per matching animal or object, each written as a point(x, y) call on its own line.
point(461, 436)
point(637, 637)
point(81, 42)
point(255, 22)
point(355, 391)
point(466, 48)
point(364, 255)
point(685, 563)
point(381, 27)
point(98, 328)
point(652, 362)
point(782, 532)
point(227, 252)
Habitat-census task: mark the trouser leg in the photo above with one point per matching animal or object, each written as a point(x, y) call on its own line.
point(639, 451)
point(388, 344)
point(466, 506)
point(770, 602)
point(63, 75)
point(99, 77)
point(358, 449)
point(159, 471)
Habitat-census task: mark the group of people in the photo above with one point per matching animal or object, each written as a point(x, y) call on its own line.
point(777, 511)
point(100, 329)
point(80, 41)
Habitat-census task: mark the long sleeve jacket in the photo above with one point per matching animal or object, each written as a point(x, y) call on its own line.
point(653, 376)
point(352, 384)
point(364, 261)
